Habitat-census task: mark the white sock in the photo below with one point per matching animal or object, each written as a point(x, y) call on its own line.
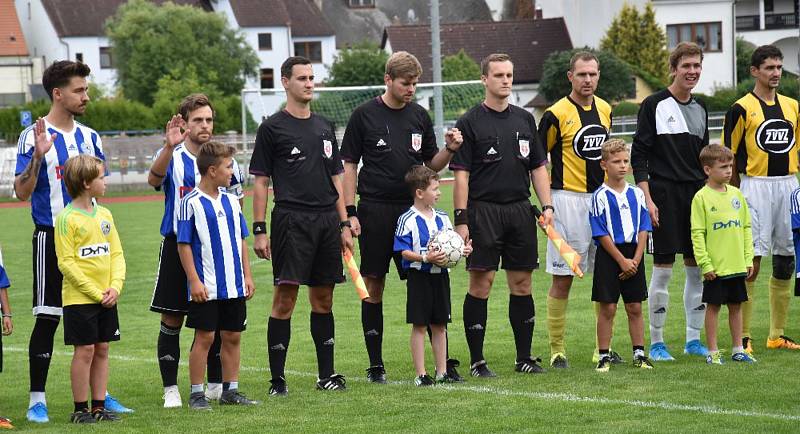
point(234, 385)
point(658, 302)
point(693, 303)
point(197, 388)
point(737, 350)
point(37, 397)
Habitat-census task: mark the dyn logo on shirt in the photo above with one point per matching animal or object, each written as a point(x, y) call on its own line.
point(726, 225)
point(93, 250)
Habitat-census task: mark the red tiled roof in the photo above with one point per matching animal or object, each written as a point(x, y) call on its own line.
point(307, 19)
point(304, 16)
point(12, 42)
point(528, 42)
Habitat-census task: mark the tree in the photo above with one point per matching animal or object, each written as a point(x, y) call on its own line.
point(637, 39)
point(744, 50)
point(151, 41)
point(359, 65)
point(616, 77)
point(460, 67)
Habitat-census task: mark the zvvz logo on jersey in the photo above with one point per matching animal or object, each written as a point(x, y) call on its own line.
point(94, 250)
point(775, 136)
point(588, 141)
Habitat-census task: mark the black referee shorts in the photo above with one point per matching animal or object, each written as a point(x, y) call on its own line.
point(674, 202)
point(306, 247)
point(88, 324)
point(606, 286)
point(171, 293)
point(506, 231)
point(428, 298)
point(46, 275)
point(724, 290)
point(376, 242)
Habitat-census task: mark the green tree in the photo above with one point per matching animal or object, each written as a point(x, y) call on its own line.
point(359, 65)
point(616, 77)
point(460, 67)
point(150, 41)
point(744, 50)
point(638, 39)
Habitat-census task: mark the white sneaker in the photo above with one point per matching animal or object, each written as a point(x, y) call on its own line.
point(213, 391)
point(172, 397)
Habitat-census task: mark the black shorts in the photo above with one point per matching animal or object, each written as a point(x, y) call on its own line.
point(228, 315)
point(306, 247)
point(674, 202)
point(88, 324)
point(428, 300)
point(506, 231)
point(46, 275)
point(606, 286)
point(376, 242)
point(725, 290)
point(1, 352)
point(171, 293)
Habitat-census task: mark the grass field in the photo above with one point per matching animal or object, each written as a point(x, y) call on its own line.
point(685, 395)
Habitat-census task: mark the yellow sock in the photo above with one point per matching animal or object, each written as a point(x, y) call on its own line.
point(778, 305)
point(597, 314)
point(556, 323)
point(747, 309)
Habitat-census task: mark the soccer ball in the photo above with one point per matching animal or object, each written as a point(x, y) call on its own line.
point(449, 242)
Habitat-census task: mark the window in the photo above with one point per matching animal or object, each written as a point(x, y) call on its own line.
point(267, 78)
point(707, 35)
point(265, 41)
point(106, 60)
point(769, 5)
point(361, 3)
point(310, 49)
point(79, 57)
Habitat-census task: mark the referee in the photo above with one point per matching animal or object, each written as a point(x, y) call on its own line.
point(389, 134)
point(493, 170)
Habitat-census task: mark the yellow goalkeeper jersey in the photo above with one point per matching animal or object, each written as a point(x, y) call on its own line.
point(721, 234)
point(89, 254)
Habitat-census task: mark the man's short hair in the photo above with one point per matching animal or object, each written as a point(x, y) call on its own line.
point(611, 147)
point(584, 56)
point(80, 169)
point(288, 64)
point(715, 153)
point(419, 178)
point(211, 154)
point(496, 57)
point(192, 103)
point(59, 73)
point(684, 49)
point(403, 64)
point(764, 52)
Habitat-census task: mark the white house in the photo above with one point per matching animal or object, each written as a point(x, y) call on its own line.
point(18, 72)
point(775, 22)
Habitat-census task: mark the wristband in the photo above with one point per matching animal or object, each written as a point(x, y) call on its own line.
point(157, 175)
point(424, 258)
point(345, 224)
point(460, 217)
point(351, 211)
point(550, 207)
point(7, 315)
point(259, 228)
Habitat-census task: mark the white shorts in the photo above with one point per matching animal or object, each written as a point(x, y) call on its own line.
point(571, 220)
point(768, 199)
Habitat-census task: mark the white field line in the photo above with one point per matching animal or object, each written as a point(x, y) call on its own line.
point(544, 396)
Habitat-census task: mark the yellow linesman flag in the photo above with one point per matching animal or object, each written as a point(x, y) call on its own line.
point(350, 262)
point(571, 257)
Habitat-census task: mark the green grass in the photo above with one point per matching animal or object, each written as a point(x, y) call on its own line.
point(680, 396)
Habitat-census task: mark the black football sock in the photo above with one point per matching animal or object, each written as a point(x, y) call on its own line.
point(322, 331)
point(372, 324)
point(40, 351)
point(522, 316)
point(169, 354)
point(278, 334)
point(214, 361)
point(475, 313)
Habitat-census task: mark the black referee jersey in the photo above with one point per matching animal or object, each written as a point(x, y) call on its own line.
point(499, 150)
point(389, 141)
point(301, 156)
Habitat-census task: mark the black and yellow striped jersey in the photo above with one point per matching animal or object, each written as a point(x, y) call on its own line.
point(763, 136)
point(574, 135)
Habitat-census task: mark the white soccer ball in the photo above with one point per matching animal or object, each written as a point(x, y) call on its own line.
point(449, 242)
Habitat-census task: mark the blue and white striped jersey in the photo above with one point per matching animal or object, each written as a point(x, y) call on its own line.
point(50, 195)
point(4, 282)
point(181, 178)
point(414, 230)
point(619, 215)
point(794, 209)
point(215, 229)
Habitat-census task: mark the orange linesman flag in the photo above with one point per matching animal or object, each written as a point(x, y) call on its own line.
point(571, 257)
point(361, 287)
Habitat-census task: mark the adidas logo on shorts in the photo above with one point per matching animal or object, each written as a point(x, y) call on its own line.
point(295, 151)
point(116, 333)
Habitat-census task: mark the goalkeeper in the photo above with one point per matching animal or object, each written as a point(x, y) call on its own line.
point(428, 284)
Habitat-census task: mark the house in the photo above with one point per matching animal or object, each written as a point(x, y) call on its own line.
point(18, 72)
point(276, 29)
point(775, 22)
point(533, 41)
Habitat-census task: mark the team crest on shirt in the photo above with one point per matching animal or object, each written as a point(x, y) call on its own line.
point(416, 142)
point(775, 136)
point(588, 141)
point(327, 148)
point(524, 147)
point(105, 226)
point(735, 203)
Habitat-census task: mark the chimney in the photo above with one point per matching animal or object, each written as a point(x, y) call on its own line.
point(537, 11)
